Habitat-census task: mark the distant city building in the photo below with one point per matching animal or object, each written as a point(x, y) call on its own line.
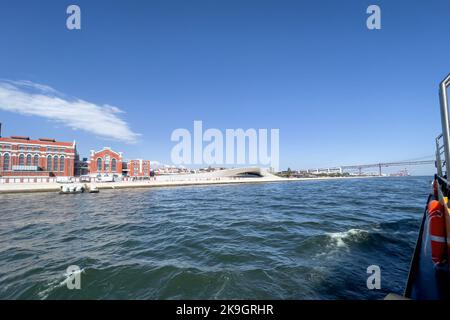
point(138, 168)
point(401, 173)
point(165, 169)
point(44, 157)
point(105, 161)
point(82, 167)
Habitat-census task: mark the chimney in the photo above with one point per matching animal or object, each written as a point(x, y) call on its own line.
point(0, 129)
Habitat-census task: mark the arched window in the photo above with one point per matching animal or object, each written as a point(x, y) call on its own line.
point(113, 165)
point(36, 160)
point(61, 164)
point(99, 164)
point(55, 163)
point(49, 163)
point(29, 160)
point(21, 160)
point(6, 162)
point(107, 158)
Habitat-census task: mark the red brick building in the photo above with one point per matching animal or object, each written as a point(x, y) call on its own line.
point(138, 168)
point(25, 160)
point(105, 161)
point(21, 156)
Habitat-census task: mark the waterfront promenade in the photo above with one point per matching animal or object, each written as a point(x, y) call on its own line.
point(55, 187)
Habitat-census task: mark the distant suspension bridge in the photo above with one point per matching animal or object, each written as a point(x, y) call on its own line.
point(379, 166)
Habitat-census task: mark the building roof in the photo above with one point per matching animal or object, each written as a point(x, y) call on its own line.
point(95, 153)
point(40, 141)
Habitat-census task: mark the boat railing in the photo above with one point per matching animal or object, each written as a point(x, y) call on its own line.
point(439, 154)
point(443, 140)
point(441, 164)
point(421, 283)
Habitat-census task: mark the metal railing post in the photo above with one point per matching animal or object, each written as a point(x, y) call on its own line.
point(445, 121)
point(438, 158)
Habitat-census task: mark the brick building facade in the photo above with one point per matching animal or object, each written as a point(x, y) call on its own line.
point(21, 156)
point(138, 168)
point(44, 158)
point(105, 161)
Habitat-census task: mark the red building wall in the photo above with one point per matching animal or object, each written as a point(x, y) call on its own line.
point(22, 151)
point(102, 162)
point(138, 168)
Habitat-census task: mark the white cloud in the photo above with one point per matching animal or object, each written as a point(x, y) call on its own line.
point(154, 163)
point(29, 98)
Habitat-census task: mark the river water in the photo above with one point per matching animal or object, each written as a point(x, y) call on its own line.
point(288, 240)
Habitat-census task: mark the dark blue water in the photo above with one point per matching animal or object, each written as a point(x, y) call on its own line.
point(290, 240)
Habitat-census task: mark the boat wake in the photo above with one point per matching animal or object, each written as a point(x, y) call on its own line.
point(57, 284)
point(341, 239)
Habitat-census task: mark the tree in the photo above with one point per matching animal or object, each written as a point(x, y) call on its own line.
point(289, 172)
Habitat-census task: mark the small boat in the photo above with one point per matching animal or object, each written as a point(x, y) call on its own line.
point(429, 274)
point(72, 189)
point(93, 189)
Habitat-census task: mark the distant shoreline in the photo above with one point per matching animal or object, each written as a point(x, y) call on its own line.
point(10, 188)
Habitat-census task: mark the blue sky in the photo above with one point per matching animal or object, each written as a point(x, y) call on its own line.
point(338, 92)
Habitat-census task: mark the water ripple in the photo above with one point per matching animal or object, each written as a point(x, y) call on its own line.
point(297, 240)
